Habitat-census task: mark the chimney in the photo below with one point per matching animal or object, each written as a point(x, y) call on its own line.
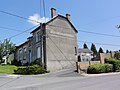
point(68, 16)
point(53, 12)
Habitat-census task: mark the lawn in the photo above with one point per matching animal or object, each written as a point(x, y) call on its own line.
point(7, 69)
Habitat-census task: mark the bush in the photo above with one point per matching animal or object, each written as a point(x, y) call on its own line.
point(100, 68)
point(115, 63)
point(30, 70)
point(117, 55)
point(16, 63)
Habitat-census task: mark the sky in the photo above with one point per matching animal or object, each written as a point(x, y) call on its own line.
point(96, 16)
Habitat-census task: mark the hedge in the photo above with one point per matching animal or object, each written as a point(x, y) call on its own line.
point(30, 70)
point(115, 63)
point(100, 68)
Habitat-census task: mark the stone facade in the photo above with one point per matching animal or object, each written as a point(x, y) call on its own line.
point(53, 44)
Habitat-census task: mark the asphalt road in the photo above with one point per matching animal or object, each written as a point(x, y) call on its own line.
point(60, 81)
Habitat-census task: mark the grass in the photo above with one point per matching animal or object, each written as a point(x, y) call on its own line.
point(7, 69)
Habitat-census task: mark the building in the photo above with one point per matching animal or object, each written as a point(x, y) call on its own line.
point(53, 44)
point(84, 55)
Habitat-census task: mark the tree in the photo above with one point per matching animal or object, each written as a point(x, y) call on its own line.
point(107, 51)
point(101, 50)
point(6, 48)
point(93, 48)
point(85, 46)
point(117, 55)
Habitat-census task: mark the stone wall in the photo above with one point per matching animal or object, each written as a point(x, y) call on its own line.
point(102, 56)
point(85, 65)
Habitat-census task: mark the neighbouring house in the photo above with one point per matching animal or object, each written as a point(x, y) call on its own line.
point(84, 55)
point(53, 44)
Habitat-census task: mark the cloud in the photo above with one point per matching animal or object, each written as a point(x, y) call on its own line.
point(36, 18)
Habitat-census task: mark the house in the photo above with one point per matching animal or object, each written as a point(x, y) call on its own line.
point(84, 55)
point(53, 44)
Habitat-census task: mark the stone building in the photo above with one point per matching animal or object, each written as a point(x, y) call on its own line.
point(53, 44)
point(84, 55)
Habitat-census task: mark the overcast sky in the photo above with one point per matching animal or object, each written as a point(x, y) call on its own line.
point(98, 16)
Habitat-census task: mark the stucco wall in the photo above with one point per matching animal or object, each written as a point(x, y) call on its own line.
point(85, 65)
point(103, 56)
point(60, 45)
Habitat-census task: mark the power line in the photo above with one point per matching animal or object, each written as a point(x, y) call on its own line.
point(103, 20)
point(18, 16)
point(21, 32)
point(59, 26)
point(54, 55)
point(10, 29)
point(44, 8)
point(89, 42)
point(54, 25)
point(60, 50)
point(100, 43)
point(103, 34)
point(40, 8)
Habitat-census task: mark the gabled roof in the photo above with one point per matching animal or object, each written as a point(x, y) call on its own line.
point(22, 44)
point(54, 19)
point(81, 50)
point(36, 29)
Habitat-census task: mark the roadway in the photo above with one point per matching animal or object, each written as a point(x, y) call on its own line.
point(64, 80)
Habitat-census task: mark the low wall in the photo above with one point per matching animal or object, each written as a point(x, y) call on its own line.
point(85, 65)
point(103, 56)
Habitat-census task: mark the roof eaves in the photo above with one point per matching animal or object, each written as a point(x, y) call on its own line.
point(62, 17)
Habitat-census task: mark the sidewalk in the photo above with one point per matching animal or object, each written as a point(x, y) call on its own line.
point(9, 76)
point(102, 74)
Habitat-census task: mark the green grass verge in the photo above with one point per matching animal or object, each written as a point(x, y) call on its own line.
point(7, 69)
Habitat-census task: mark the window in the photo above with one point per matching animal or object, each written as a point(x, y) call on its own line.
point(79, 58)
point(38, 52)
point(20, 54)
point(75, 51)
point(25, 49)
point(38, 36)
point(24, 55)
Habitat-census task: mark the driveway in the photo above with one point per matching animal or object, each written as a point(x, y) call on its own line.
point(63, 73)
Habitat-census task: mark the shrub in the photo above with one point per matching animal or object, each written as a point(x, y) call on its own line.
point(115, 63)
point(100, 68)
point(16, 63)
point(30, 70)
point(117, 55)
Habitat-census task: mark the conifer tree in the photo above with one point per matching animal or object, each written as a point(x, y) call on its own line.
point(101, 50)
point(93, 48)
point(85, 46)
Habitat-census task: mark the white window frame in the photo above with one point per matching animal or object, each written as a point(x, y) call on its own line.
point(38, 52)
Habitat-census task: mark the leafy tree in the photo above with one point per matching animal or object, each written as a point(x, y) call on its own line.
point(85, 46)
point(101, 50)
point(93, 48)
point(6, 48)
